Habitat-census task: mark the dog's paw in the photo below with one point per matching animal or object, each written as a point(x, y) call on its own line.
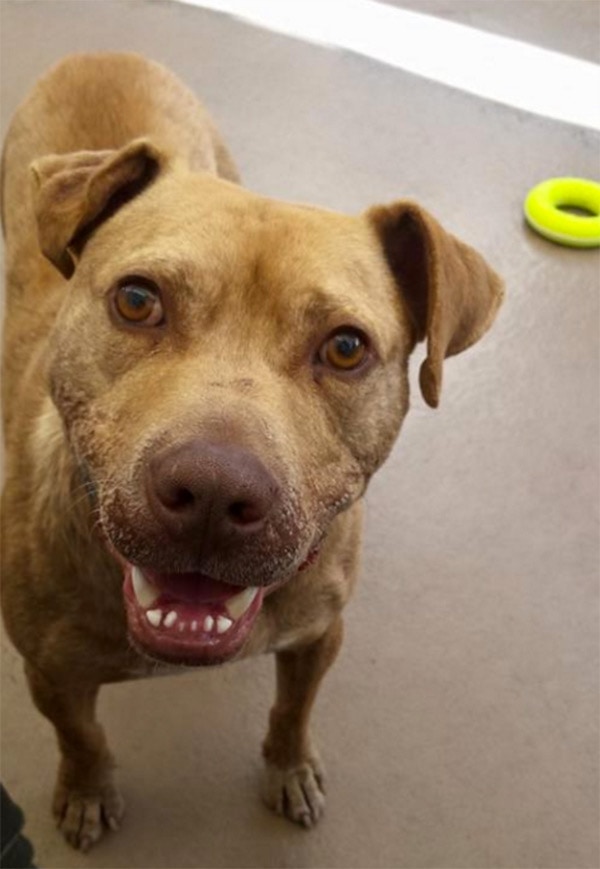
point(83, 816)
point(297, 793)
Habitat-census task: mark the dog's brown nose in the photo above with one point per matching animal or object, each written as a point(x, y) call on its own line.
point(214, 493)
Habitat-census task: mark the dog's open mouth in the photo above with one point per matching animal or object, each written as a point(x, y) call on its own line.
point(188, 617)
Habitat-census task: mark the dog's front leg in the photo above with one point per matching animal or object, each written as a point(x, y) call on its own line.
point(294, 784)
point(85, 798)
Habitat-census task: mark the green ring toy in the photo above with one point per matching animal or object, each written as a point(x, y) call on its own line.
point(543, 211)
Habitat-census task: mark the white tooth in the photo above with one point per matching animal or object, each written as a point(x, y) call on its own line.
point(194, 626)
point(154, 617)
point(145, 593)
point(181, 626)
point(223, 624)
point(170, 619)
point(237, 606)
point(208, 623)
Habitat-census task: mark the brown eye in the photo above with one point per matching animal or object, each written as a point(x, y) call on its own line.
point(345, 350)
point(139, 303)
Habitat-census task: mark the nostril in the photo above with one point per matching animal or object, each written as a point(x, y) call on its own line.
point(245, 512)
point(178, 498)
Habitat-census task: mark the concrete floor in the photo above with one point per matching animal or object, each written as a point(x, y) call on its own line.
point(460, 724)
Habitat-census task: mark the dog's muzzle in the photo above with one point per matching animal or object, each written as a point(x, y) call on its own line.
point(216, 537)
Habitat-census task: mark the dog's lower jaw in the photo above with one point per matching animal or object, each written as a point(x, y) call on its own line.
point(189, 630)
point(191, 619)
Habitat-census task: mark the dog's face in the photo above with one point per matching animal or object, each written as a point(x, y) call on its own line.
point(231, 371)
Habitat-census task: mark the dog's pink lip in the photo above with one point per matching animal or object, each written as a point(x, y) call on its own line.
point(310, 558)
point(173, 626)
point(192, 596)
point(187, 640)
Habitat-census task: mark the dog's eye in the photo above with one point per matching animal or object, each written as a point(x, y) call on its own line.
point(344, 350)
point(139, 303)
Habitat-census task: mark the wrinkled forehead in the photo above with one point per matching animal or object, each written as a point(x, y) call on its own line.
point(217, 242)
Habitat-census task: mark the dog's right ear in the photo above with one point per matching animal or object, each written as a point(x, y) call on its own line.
point(74, 193)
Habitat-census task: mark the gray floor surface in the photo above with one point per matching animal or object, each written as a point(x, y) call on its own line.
point(569, 26)
point(459, 725)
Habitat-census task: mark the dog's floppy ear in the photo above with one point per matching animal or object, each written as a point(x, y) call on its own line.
point(74, 193)
point(451, 293)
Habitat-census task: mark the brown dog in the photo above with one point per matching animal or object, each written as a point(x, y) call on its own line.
point(199, 383)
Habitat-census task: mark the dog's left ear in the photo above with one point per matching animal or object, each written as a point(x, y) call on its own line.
point(74, 193)
point(452, 295)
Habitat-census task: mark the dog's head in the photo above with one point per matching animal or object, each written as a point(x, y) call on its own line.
point(231, 370)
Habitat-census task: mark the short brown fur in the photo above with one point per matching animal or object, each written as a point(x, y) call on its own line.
point(112, 167)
